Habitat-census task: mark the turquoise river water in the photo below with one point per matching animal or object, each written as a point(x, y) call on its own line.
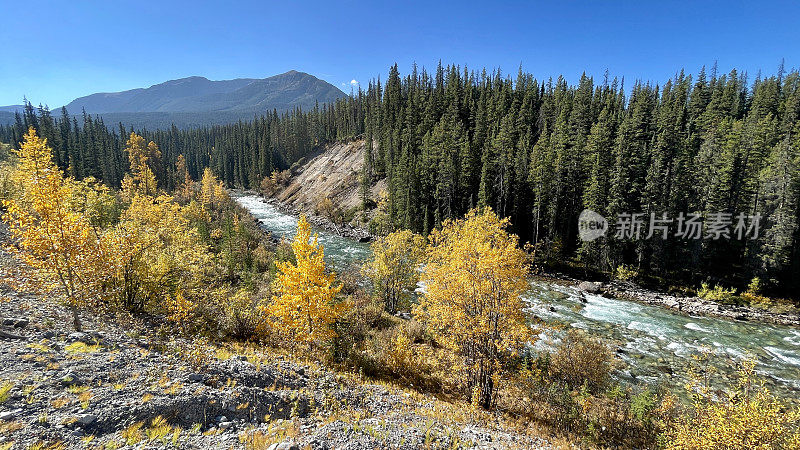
point(655, 344)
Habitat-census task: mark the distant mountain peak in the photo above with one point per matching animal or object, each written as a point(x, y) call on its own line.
point(198, 94)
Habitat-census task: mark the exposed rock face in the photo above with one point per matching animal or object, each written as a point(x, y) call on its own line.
point(334, 173)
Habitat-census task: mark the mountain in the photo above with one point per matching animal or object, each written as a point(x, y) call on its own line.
point(170, 96)
point(198, 101)
point(11, 109)
point(198, 94)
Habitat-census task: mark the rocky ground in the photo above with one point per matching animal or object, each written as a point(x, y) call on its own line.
point(119, 385)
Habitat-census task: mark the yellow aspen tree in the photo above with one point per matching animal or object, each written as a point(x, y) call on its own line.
point(142, 179)
point(475, 275)
point(183, 189)
point(394, 267)
point(304, 303)
point(212, 192)
point(156, 253)
point(51, 236)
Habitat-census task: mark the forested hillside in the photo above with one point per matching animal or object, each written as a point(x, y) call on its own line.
point(198, 94)
point(197, 101)
point(537, 151)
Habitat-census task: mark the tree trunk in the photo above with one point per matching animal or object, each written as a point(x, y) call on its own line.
point(76, 321)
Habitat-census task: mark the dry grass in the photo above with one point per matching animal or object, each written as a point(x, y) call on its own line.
point(277, 432)
point(77, 348)
point(5, 391)
point(60, 402)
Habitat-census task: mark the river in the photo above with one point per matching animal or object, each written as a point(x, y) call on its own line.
point(656, 345)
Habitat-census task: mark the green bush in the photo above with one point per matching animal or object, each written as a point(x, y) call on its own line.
point(617, 417)
point(756, 286)
point(717, 293)
point(582, 360)
point(625, 273)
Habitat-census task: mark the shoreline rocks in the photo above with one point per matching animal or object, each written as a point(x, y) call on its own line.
point(345, 230)
point(689, 306)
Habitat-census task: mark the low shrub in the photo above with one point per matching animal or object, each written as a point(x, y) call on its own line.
point(625, 273)
point(718, 294)
point(617, 417)
point(242, 317)
point(747, 417)
point(582, 360)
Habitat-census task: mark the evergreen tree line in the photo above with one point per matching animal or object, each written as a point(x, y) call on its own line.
point(241, 153)
point(536, 151)
point(541, 152)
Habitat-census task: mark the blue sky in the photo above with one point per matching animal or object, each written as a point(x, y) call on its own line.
point(53, 52)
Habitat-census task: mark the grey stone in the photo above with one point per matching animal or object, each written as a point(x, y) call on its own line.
point(16, 322)
point(590, 287)
point(70, 379)
point(79, 337)
point(7, 415)
point(287, 446)
point(225, 425)
point(86, 419)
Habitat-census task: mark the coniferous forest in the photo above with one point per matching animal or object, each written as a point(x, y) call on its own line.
point(537, 151)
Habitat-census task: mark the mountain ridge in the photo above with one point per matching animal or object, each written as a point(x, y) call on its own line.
point(196, 101)
point(199, 94)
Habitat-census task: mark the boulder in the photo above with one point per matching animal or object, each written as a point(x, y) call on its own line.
point(70, 379)
point(196, 377)
point(86, 419)
point(590, 287)
point(16, 322)
point(79, 336)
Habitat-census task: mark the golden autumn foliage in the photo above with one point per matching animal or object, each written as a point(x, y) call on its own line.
point(305, 304)
point(81, 241)
point(52, 235)
point(475, 275)
point(144, 160)
point(212, 192)
point(269, 185)
point(156, 252)
point(394, 267)
point(748, 417)
point(183, 181)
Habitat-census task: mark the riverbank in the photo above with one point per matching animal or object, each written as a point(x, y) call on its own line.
point(344, 230)
point(656, 346)
point(688, 306)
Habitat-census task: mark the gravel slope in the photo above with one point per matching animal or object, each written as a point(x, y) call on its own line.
point(85, 390)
